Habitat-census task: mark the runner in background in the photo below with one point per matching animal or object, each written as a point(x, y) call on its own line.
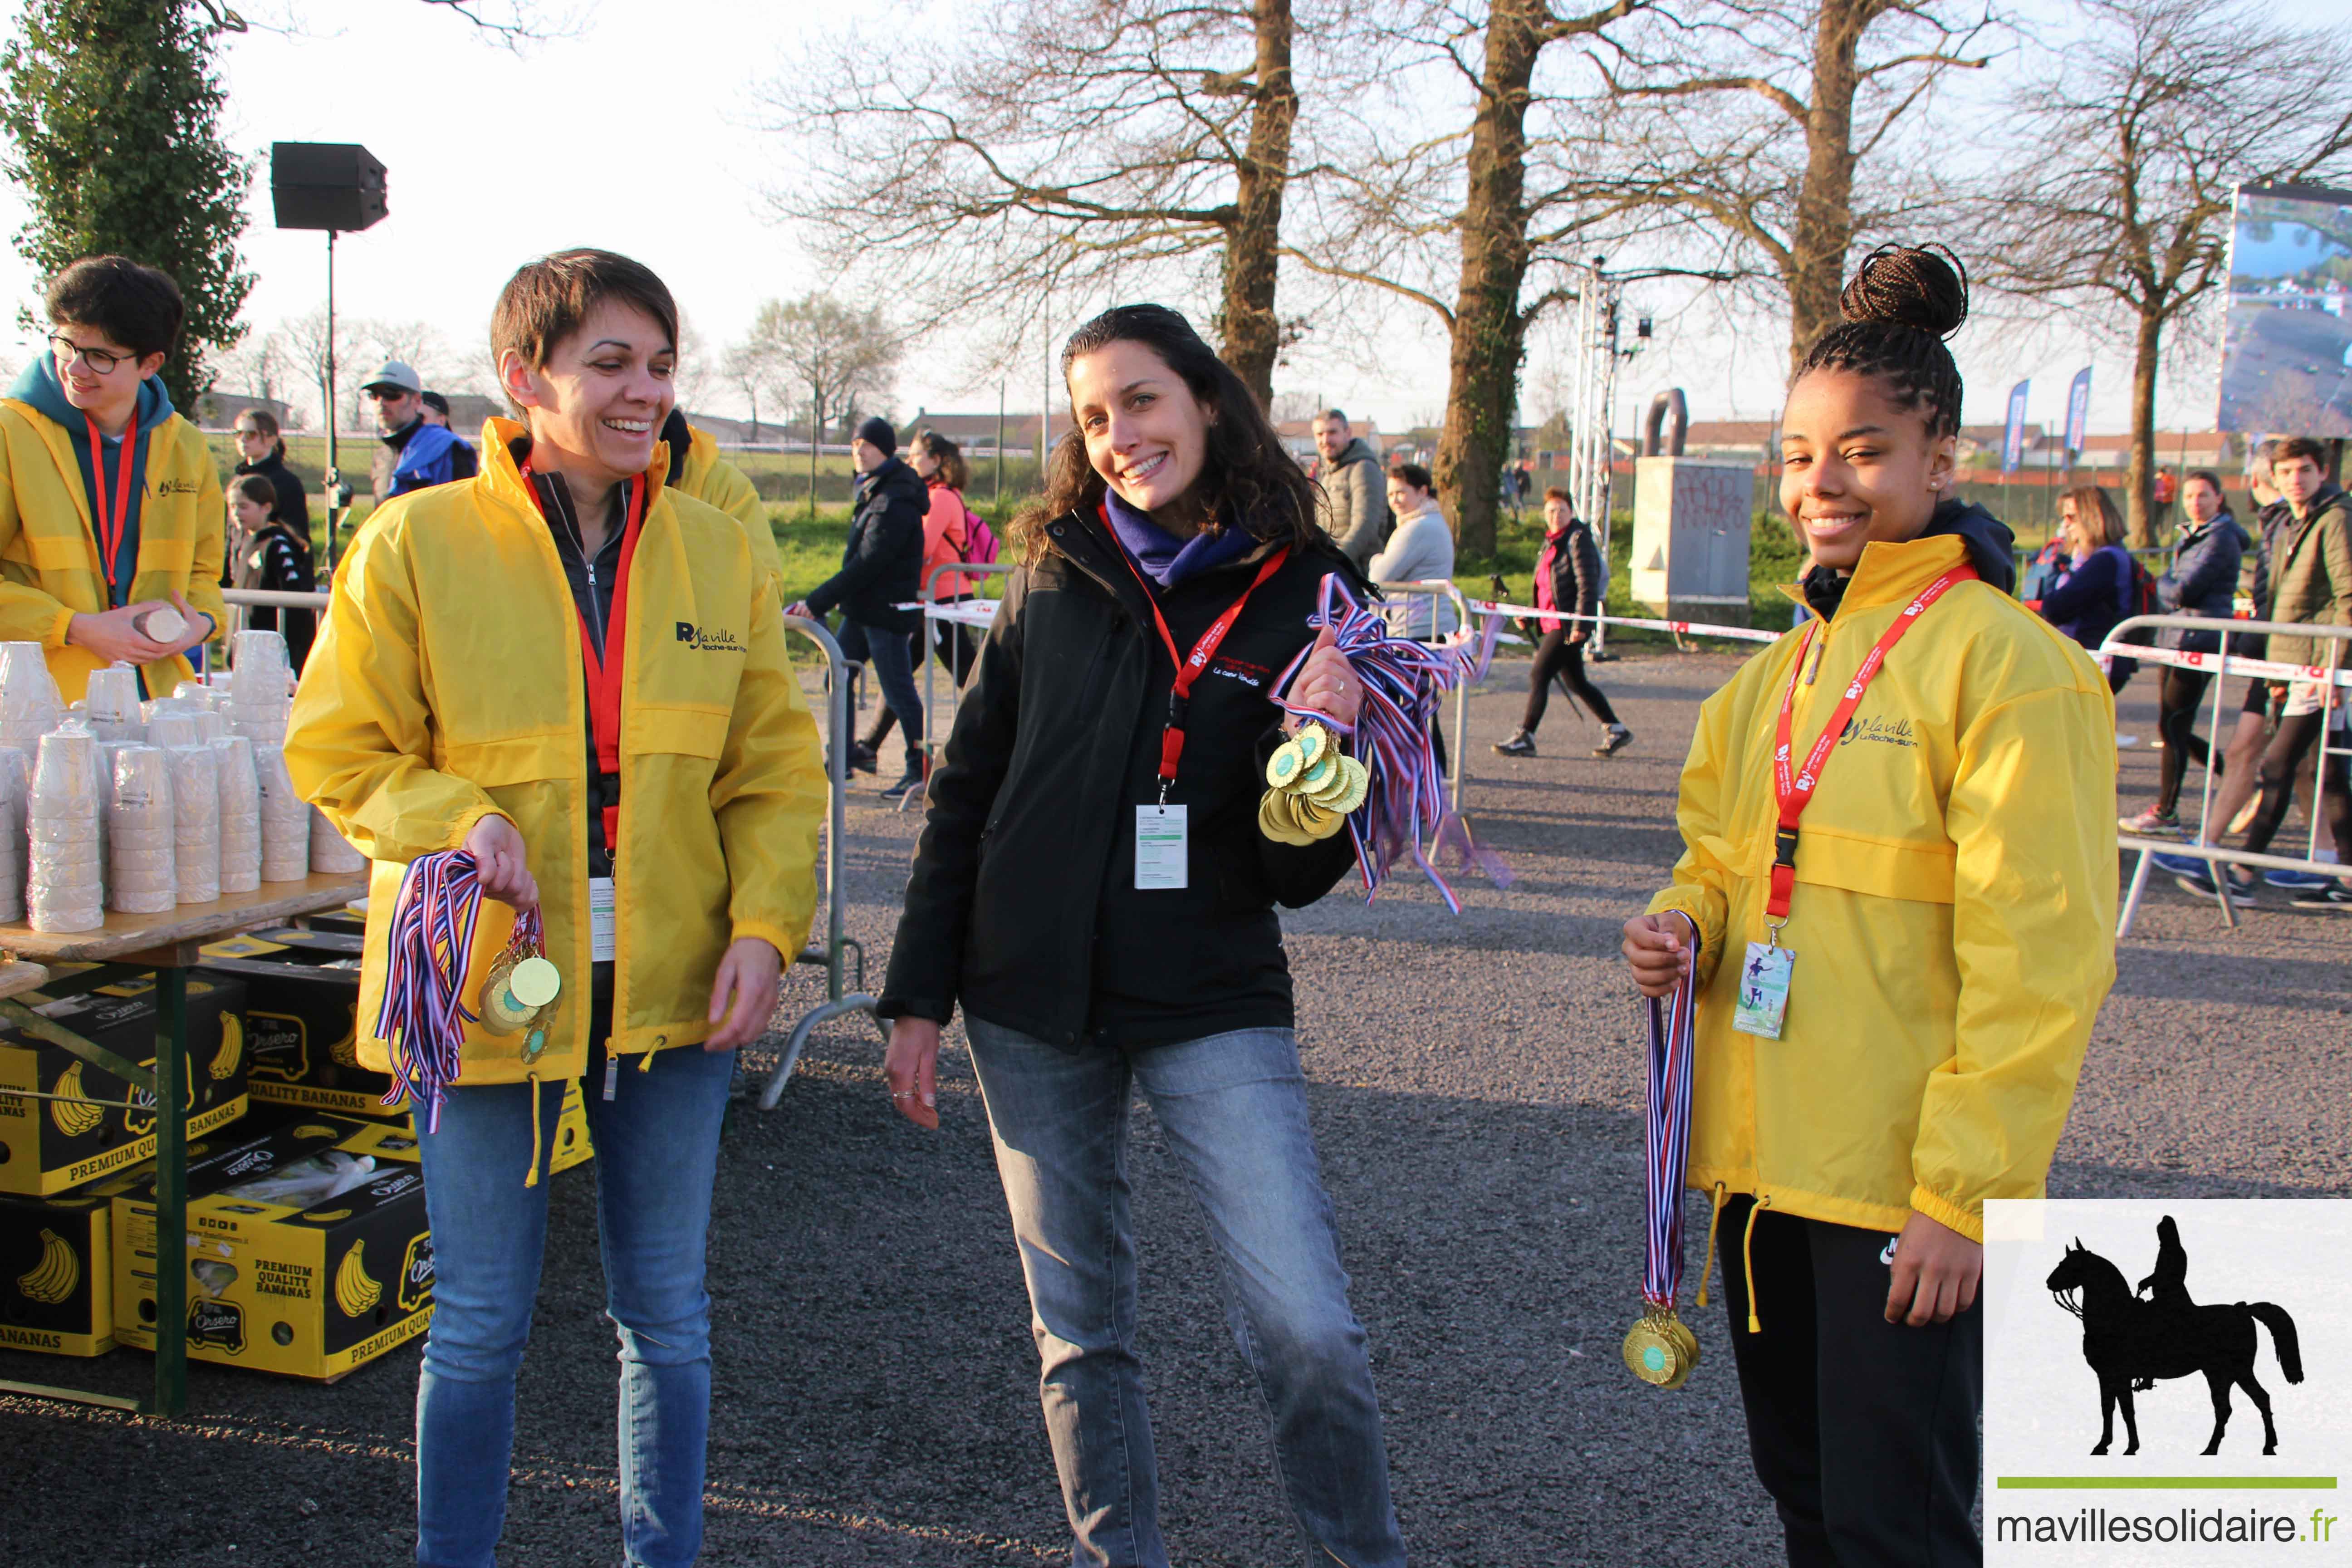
point(1568, 578)
point(1895, 986)
point(2203, 582)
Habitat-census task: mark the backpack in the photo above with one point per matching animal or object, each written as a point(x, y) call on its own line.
point(2139, 599)
point(979, 540)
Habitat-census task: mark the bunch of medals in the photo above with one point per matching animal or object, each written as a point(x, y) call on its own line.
point(1660, 1348)
point(1312, 787)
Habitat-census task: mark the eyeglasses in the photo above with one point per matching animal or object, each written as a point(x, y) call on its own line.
point(386, 394)
point(102, 361)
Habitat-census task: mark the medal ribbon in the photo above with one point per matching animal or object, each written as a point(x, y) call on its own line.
point(422, 1018)
point(109, 529)
point(1795, 792)
point(1188, 669)
point(1668, 1134)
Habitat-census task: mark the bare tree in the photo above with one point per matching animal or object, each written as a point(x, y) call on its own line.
point(1065, 145)
point(2126, 206)
point(306, 343)
point(836, 356)
point(419, 345)
point(261, 366)
point(750, 370)
point(1774, 109)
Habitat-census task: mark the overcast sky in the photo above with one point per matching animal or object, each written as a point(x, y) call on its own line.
point(654, 110)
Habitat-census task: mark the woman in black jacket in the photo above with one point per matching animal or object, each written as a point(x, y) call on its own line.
point(264, 554)
point(2203, 582)
point(1568, 579)
point(261, 450)
point(1093, 887)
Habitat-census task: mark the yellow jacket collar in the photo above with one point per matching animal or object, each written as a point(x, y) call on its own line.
point(503, 475)
point(1891, 574)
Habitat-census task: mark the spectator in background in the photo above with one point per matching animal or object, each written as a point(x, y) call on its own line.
point(1420, 551)
point(261, 450)
point(1353, 507)
point(881, 568)
point(1568, 579)
point(412, 454)
point(947, 534)
point(2203, 582)
point(264, 553)
point(437, 412)
point(436, 409)
point(2096, 590)
point(2165, 490)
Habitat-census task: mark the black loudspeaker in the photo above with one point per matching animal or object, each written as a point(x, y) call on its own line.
point(335, 186)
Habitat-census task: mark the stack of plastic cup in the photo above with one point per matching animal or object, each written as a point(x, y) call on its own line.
point(261, 687)
point(155, 705)
point(195, 805)
point(285, 819)
point(16, 782)
point(112, 703)
point(210, 725)
point(240, 815)
point(330, 851)
point(142, 834)
point(63, 889)
point(29, 704)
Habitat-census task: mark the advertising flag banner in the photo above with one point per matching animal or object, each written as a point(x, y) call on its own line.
point(2013, 440)
point(2078, 412)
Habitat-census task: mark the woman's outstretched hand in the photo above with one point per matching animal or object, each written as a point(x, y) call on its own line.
point(1655, 949)
point(911, 1068)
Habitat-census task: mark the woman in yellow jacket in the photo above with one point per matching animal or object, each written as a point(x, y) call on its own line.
point(1895, 896)
point(109, 501)
point(580, 678)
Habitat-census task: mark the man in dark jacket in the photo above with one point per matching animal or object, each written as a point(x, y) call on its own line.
point(1354, 508)
point(880, 566)
point(412, 454)
point(1568, 580)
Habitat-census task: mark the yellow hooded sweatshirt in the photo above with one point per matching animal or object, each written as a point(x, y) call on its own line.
point(447, 685)
point(49, 570)
point(1953, 918)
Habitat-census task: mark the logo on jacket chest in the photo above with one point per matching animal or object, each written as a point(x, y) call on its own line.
point(1254, 676)
point(176, 487)
point(708, 639)
point(1884, 730)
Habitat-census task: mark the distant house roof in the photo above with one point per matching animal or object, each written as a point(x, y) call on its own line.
point(980, 430)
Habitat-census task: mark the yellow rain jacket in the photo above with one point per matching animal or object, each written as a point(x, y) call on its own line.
point(1953, 920)
point(49, 570)
point(447, 685)
point(706, 476)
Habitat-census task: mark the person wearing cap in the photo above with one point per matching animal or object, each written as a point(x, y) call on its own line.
point(465, 459)
point(881, 568)
point(110, 513)
point(415, 454)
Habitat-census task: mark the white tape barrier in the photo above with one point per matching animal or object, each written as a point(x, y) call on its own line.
point(2257, 668)
point(981, 613)
point(1680, 628)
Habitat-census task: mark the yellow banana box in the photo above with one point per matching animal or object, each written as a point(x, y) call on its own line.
point(301, 1002)
point(307, 1251)
point(56, 1271)
point(102, 1125)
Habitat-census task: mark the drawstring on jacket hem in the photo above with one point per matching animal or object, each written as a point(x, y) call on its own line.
point(531, 1178)
point(1748, 1262)
point(1722, 1197)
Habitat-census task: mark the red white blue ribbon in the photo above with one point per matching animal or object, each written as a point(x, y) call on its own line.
point(1668, 1133)
point(423, 1019)
point(1405, 810)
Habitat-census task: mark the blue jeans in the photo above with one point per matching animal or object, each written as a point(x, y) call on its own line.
point(656, 1154)
point(892, 655)
point(1234, 1107)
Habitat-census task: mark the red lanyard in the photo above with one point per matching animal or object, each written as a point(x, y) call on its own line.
point(605, 674)
point(1188, 670)
point(109, 529)
point(1796, 792)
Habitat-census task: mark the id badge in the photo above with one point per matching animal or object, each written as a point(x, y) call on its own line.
point(603, 924)
point(1161, 848)
point(1763, 990)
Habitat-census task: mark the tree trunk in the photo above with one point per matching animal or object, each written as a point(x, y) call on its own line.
point(1489, 334)
point(1252, 334)
point(1823, 232)
point(2139, 476)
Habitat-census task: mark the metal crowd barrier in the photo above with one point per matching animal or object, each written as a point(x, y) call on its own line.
point(2335, 675)
point(838, 1001)
point(934, 615)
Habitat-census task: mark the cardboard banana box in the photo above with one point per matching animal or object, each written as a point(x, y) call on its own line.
point(56, 1271)
point(301, 1003)
point(51, 1146)
point(284, 1274)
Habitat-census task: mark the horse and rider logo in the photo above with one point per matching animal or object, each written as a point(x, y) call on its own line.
point(2133, 1339)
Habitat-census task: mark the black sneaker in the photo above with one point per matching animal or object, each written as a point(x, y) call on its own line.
point(2201, 883)
point(862, 758)
point(2335, 896)
point(1616, 740)
point(911, 781)
point(1519, 745)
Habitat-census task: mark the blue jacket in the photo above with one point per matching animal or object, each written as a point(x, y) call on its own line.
point(2203, 582)
point(2088, 601)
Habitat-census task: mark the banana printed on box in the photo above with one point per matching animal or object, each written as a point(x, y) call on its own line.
point(57, 1269)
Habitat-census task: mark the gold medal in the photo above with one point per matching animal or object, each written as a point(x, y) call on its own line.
point(1274, 819)
point(1312, 740)
point(518, 991)
point(1661, 1350)
point(1357, 784)
point(1282, 769)
point(1313, 820)
point(1318, 774)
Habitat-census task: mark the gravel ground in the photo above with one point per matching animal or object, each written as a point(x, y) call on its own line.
point(1476, 1099)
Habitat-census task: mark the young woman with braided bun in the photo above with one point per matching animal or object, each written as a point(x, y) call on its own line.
point(1927, 874)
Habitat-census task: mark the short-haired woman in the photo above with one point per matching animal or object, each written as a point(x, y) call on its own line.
point(264, 554)
point(500, 671)
point(1094, 890)
point(261, 449)
point(2096, 591)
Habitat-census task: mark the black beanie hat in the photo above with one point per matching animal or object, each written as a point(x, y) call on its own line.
point(879, 434)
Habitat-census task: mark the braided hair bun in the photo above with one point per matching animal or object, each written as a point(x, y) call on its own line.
point(1922, 287)
point(1900, 306)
